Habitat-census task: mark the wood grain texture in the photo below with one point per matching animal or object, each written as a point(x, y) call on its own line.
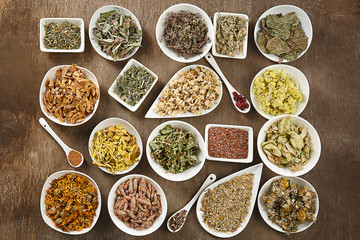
point(28, 155)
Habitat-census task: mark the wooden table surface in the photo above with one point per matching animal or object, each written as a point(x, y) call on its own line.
point(28, 155)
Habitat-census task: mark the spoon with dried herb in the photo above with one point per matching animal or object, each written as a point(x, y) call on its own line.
point(177, 220)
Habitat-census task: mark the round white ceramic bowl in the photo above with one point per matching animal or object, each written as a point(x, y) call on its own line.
point(47, 185)
point(266, 187)
point(129, 128)
point(285, 9)
point(188, 173)
point(52, 74)
point(297, 75)
point(92, 25)
point(315, 152)
point(160, 32)
point(158, 222)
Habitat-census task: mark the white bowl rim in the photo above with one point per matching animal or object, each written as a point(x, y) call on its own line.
point(183, 176)
point(138, 138)
point(303, 85)
point(130, 63)
point(174, 56)
point(51, 50)
point(314, 158)
point(294, 180)
point(43, 194)
point(42, 86)
point(250, 131)
point(131, 231)
point(245, 42)
point(274, 57)
point(93, 42)
point(150, 113)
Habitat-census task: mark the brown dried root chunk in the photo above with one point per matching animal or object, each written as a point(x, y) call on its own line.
point(71, 97)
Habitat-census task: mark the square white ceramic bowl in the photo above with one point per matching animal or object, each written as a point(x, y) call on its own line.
point(76, 21)
point(239, 55)
point(111, 92)
point(250, 131)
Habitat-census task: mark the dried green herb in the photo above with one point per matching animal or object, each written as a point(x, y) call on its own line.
point(133, 84)
point(230, 35)
point(185, 32)
point(282, 36)
point(62, 36)
point(117, 34)
point(175, 149)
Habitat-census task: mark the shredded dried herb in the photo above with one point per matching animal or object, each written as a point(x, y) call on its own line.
point(230, 35)
point(175, 149)
point(282, 36)
point(133, 84)
point(117, 34)
point(71, 202)
point(62, 36)
point(185, 32)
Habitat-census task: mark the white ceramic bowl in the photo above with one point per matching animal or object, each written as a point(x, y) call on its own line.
point(188, 173)
point(241, 55)
point(160, 32)
point(129, 128)
point(297, 75)
point(77, 21)
point(152, 114)
point(285, 9)
point(158, 222)
point(52, 74)
point(111, 92)
point(47, 185)
point(92, 25)
point(250, 145)
point(256, 170)
point(266, 187)
point(315, 152)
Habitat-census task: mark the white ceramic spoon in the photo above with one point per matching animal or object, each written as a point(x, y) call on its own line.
point(210, 58)
point(210, 179)
point(66, 149)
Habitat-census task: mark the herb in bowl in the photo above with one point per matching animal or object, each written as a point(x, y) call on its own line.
point(134, 84)
point(175, 149)
point(185, 32)
point(230, 35)
point(62, 36)
point(117, 34)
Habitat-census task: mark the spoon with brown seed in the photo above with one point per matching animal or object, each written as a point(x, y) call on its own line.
point(75, 158)
point(177, 220)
